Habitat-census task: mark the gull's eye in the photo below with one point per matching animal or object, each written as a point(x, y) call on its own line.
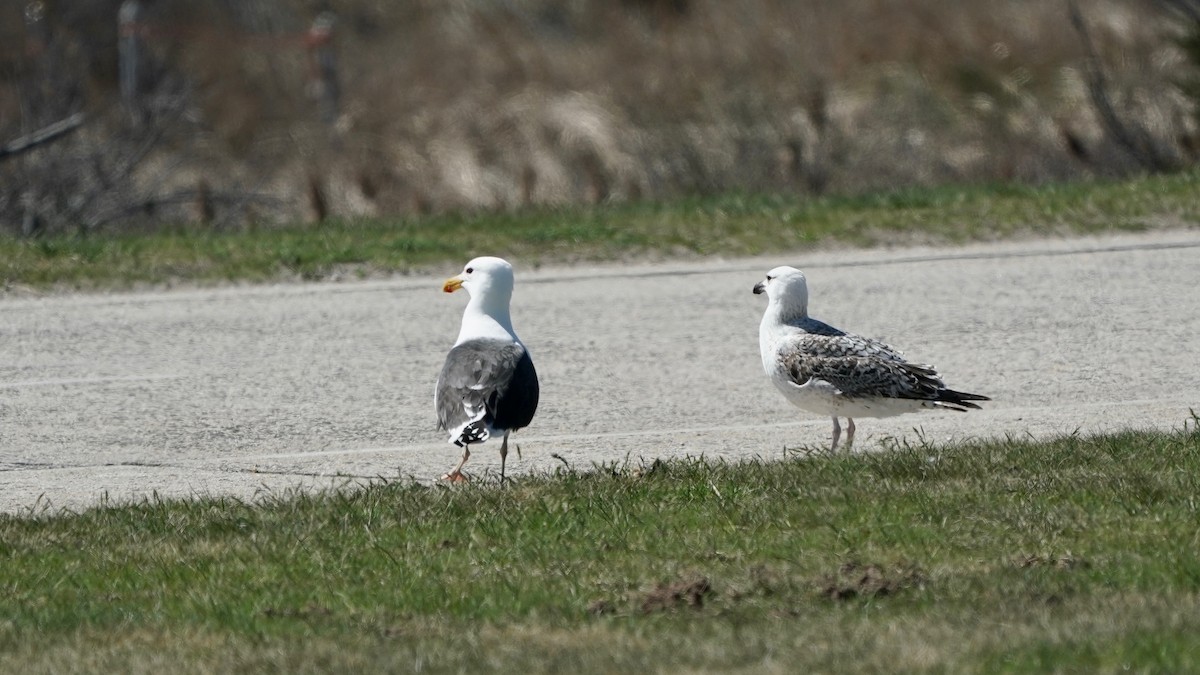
point(469, 270)
point(769, 277)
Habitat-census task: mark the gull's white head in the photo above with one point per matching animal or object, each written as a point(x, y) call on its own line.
point(786, 287)
point(484, 278)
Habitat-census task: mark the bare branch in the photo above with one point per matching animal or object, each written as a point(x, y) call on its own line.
point(46, 134)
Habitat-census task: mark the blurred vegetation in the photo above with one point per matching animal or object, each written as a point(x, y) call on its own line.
point(1189, 42)
point(483, 104)
point(726, 225)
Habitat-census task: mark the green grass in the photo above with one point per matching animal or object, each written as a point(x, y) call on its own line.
point(1080, 554)
point(726, 225)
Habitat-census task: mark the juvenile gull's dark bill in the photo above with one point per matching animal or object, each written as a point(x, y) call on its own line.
point(828, 371)
point(488, 384)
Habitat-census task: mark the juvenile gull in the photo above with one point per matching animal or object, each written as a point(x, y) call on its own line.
point(488, 384)
point(828, 371)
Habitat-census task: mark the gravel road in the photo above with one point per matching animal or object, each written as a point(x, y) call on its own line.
point(256, 390)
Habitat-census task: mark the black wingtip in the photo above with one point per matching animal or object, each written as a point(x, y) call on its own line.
point(476, 432)
point(960, 398)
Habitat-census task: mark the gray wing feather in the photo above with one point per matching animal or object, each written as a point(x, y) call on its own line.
point(475, 375)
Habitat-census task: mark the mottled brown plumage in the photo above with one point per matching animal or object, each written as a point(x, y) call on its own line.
point(826, 370)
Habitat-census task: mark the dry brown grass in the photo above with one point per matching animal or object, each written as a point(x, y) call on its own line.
point(450, 105)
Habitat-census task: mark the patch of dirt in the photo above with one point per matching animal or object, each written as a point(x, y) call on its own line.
point(687, 592)
point(855, 580)
point(763, 582)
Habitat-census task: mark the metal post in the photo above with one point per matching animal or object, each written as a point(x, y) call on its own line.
point(129, 51)
point(323, 60)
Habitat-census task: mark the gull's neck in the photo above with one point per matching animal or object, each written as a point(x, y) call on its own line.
point(486, 318)
point(778, 321)
point(780, 313)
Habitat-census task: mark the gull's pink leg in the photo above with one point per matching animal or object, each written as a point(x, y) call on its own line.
point(456, 475)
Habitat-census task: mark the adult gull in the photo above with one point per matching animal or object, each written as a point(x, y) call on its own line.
point(828, 371)
point(488, 384)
